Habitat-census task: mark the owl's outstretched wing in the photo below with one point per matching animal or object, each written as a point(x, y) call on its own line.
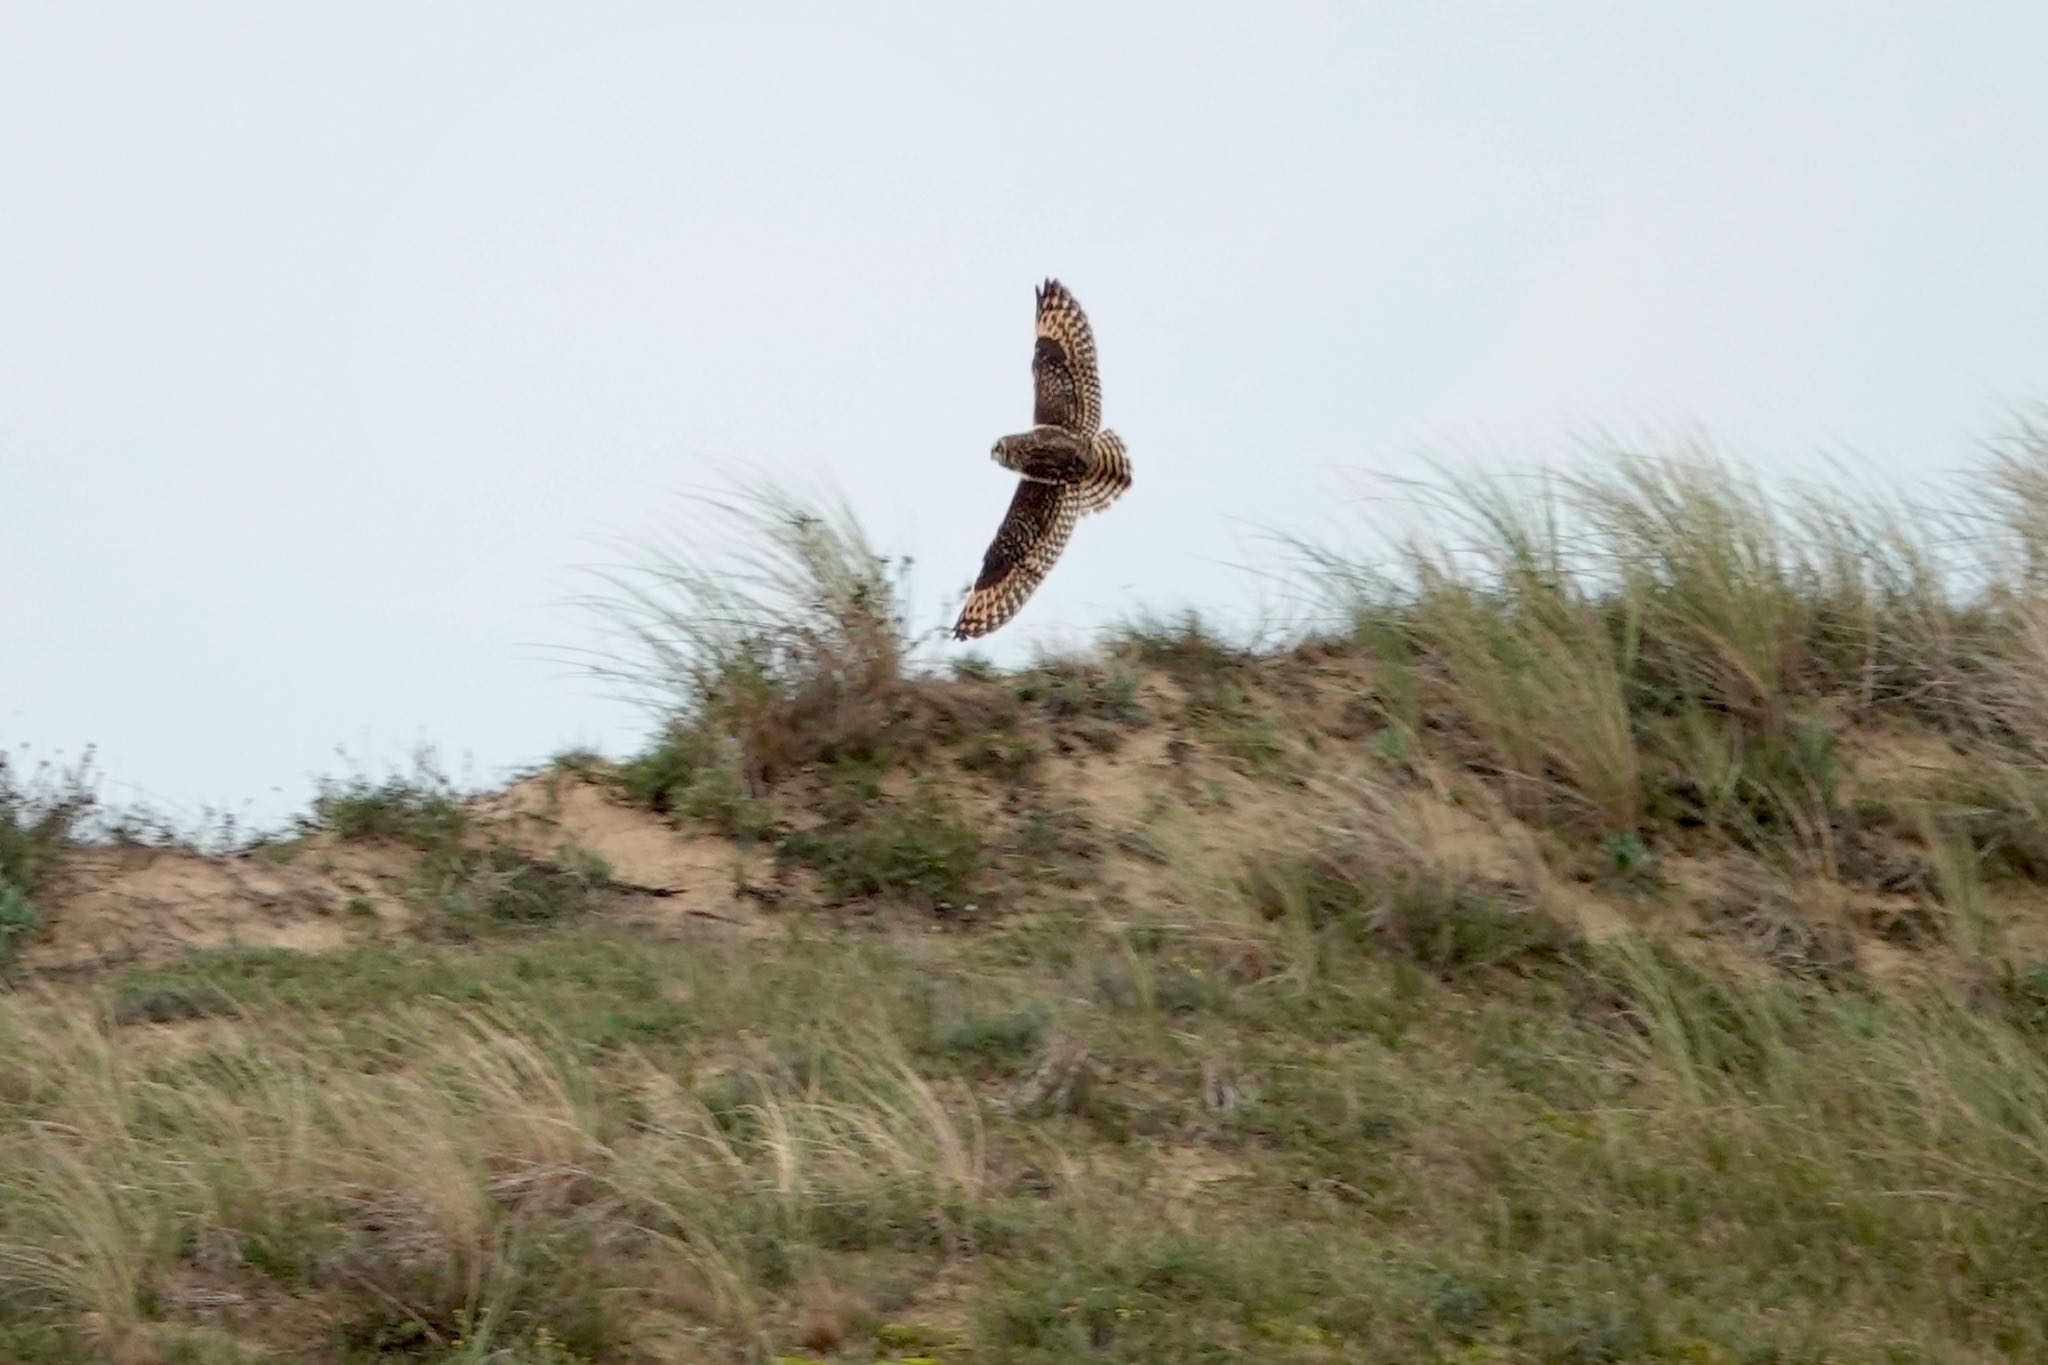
point(1041, 517)
point(1069, 391)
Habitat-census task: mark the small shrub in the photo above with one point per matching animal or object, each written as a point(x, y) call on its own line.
point(1221, 706)
point(997, 1037)
point(663, 777)
point(1007, 755)
point(2021, 995)
point(470, 888)
point(1116, 697)
point(1448, 925)
point(18, 919)
point(1453, 928)
point(1630, 860)
point(1785, 934)
point(164, 1004)
point(1057, 846)
point(974, 668)
point(1075, 692)
point(420, 809)
point(40, 813)
point(687, 773)
point(586, 763)
point(916, 850)
point(785, 649)
point(1767, 791)
point(1183, 649)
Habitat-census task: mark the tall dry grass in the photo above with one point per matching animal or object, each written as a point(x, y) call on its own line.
point(767, 633)
point(1660, 634)
point(464, 1175)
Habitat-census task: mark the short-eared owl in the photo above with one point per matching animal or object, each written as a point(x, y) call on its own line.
point(1070, 466)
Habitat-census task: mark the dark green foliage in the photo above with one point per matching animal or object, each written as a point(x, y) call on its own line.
point(1166, 1297)
point(18, 918)
point(2021, 994)
point(41, 811)
point(918, 850)
point(609, 990)
point(1761, 790)
point(995, 1037)
point(1220, 705)
point(171, 1004)
point(1006, 755)
point(469, 888)
point(1448, 926)
point(421, 809)
point(1056, 846)
point(1184, 649)
point(1076, 692)
point(1454, 928)
point(663, 776)
point(686, 773)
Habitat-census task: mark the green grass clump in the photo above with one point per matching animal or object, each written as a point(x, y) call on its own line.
point(42, 811)
point(18, 918)
point(1065, 691)
point(1447, 924)
point(420, 808)
point(467, 889)
point(1184, 648)
point(1008, 757)
point(786, 648)
point(687, 773)
point(916, 850)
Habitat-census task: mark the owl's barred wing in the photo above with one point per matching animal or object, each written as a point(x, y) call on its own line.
point(1069, 391)
point(1108, 476)
point(1041, 517)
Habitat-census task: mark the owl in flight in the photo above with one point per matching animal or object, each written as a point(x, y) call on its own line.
point(1069, 463)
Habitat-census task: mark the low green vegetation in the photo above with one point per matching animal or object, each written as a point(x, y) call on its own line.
point(820, 1148)
point(42, 807)
point(915, 851)
point(1616, 935)
point(421, 807)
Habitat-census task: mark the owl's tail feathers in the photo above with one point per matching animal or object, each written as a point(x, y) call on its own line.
point(1110, 475)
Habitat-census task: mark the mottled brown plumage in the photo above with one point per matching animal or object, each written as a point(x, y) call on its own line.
point(1069, 392)
point(1041, 517)
point(1070, 466)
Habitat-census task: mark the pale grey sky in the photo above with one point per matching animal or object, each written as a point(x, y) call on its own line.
point(333, 336)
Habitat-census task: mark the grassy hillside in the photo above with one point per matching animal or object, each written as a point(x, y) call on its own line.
point(1618, 932)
